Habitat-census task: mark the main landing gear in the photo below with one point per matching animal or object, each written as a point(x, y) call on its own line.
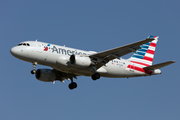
point(72, 85)
point(95, 76)
point(34, 68)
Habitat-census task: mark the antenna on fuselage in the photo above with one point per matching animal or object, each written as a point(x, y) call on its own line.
point(36, 40)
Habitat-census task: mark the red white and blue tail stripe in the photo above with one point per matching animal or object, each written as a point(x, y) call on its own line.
point(143, 57)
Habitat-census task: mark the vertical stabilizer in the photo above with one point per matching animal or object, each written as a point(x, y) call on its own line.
point(143, 57)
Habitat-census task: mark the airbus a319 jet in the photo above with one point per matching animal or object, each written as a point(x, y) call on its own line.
point(68, 63)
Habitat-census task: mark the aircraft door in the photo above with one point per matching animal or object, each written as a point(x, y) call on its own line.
point(39, 47)
point(131, 67)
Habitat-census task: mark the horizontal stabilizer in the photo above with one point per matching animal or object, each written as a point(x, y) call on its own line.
point(157, 66)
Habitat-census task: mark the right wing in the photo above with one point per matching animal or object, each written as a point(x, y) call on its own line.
point(105, 56)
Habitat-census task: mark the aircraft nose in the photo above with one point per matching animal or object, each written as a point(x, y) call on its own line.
point(14, 51)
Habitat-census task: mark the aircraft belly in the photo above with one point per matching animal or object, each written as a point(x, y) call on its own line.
point(118, 71)
point(76, 71)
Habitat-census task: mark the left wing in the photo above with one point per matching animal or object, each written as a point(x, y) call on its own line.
point(105, 56)
point(61, 76)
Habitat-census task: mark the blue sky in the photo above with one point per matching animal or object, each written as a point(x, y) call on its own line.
point(89, 25)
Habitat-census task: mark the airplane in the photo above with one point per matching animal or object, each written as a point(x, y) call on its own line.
point(68, 63)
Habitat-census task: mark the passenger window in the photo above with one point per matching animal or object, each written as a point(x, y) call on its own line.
point(24, 44)
point(28, 44)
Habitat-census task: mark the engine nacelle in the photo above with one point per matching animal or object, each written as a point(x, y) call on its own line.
point(45, 75)
point(80, 61)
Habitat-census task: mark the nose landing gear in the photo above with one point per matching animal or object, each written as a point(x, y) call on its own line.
point(34, 68)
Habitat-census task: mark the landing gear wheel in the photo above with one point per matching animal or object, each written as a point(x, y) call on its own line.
point(95, 76)
point(33, 71)
point(34, 68)
point(72, 85)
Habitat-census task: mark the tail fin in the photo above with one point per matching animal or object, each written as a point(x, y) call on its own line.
point(143, 57)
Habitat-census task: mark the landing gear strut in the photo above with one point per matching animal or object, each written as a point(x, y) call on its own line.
point(72, 85)
point(95, 76)
point(34, 68)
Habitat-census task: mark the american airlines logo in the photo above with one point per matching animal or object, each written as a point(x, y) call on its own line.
point(64, 51)
point(46, 47)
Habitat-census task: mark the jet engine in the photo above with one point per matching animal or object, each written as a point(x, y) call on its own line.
point(80, 61)
point(45, 75)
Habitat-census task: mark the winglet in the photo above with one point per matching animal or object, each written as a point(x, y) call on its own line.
point(151, 36)
point(157, 66)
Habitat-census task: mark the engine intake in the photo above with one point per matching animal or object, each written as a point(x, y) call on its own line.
point(80, 61)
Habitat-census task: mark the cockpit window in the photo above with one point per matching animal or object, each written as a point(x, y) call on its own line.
point(20, 44)
point(24, 44)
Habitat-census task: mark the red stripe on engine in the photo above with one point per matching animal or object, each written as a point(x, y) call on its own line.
point(148, 58)
point(153, 44)
point(150, 51)
point(140, 63)
point(139, 69)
